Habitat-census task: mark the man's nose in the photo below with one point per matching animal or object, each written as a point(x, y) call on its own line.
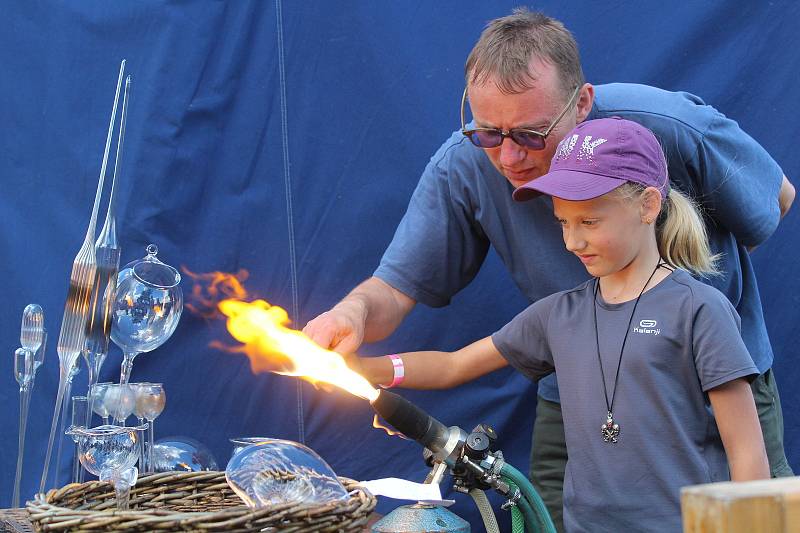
point(510, 152)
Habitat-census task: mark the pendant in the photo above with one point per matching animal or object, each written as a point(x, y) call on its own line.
point(610, 430)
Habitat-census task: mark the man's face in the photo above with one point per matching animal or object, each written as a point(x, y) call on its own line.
point(535, 109)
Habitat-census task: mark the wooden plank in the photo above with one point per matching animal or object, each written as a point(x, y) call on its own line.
point(768, 506)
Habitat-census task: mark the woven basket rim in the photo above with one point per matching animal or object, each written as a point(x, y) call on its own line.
point(342, 515)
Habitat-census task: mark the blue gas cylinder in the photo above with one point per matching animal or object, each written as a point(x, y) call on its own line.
point(421, 517)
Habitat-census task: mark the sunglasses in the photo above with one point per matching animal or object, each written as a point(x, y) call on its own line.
point(494, 137)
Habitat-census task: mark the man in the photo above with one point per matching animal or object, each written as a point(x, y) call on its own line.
point(526, 89)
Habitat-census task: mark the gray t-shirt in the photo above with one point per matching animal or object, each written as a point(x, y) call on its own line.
point(684, 340)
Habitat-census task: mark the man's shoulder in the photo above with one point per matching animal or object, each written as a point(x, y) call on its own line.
point(459, 163)
point(655, 108)
point(455, 150)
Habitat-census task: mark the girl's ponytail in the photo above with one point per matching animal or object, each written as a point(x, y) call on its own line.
point(682, 238)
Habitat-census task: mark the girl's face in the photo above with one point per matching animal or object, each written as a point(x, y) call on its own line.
point(607, 233)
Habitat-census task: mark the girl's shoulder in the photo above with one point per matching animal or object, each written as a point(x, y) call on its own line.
point(560, 303)
point(702, 294)
point(581, 292)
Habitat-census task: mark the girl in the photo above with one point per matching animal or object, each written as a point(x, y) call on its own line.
point(651, 367)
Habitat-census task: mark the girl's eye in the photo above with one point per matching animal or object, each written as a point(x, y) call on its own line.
point(589, 222)
point(561, 221)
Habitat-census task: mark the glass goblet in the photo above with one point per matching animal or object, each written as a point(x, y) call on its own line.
point(109, 452)
point(147, 307)
point(97, 403)
point(150, 401)
point(120, 401)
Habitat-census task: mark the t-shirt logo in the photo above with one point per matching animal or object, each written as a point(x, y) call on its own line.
point(648, 327)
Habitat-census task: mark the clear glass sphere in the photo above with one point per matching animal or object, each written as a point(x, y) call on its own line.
point(147, 305)
point(182, 454)
point(278, 471)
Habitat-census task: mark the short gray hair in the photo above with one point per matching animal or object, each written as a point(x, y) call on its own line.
point(507, 45)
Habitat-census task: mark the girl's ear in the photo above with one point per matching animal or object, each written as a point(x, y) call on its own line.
point(651, 205)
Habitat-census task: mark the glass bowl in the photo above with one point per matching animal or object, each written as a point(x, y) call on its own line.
point(272, 472)
point(182, 454)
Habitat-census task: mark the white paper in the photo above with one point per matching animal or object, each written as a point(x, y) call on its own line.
point(402, 489)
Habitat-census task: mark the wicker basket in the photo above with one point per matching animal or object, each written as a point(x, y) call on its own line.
point(190, 501)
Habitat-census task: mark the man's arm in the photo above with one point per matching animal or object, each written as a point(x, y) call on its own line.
point(785, 200)
point(371, 312)
point(786, 196)
point(436, 251)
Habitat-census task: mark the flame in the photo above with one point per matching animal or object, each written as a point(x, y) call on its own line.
point(210, 288)
point(376, 423)
point(271, 346)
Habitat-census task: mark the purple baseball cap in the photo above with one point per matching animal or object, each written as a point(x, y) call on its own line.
point(598, 156)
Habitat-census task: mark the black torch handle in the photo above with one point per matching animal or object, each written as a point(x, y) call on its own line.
point(410, 420)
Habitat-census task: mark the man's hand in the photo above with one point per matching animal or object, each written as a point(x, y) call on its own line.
point(371, 312)
point(341, 329)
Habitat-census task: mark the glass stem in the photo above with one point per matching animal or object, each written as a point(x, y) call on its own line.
point(123, 493)
point(76, 464)
point(127, 366)
point(89, 397)
point(24, 402)
point(62, 430)
point(53, 427)
point(94, 375)
point(150, 447)
point(142, 464)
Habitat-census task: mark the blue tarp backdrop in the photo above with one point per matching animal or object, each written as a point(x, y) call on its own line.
point(285, 138)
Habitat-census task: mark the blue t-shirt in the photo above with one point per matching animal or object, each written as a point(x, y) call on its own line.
point(683, 341)
point(462, 205)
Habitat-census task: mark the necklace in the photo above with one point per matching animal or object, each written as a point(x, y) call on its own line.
point(610, 429)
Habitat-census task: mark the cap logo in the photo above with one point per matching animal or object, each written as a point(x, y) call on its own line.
point(587, 148)
point(586, 151)
point(565, 147)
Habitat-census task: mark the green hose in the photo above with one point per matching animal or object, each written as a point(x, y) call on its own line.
point(539, 519)
point(530, 520)
point(517, 521)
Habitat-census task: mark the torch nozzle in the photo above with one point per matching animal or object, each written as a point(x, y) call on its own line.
point(410, 420)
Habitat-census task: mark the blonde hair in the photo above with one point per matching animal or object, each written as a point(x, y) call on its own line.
point(680, 232)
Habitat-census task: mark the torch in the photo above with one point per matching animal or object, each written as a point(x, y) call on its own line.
point(469, 458)
point(445, 443)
